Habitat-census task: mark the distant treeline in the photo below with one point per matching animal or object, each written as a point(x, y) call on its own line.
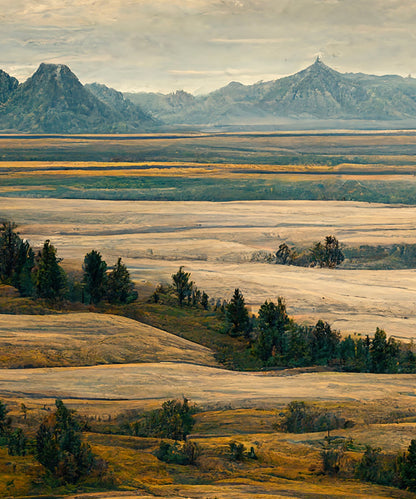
point(169, 188)
point(330, 253)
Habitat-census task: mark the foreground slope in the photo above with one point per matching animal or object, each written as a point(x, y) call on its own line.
point(89, 339)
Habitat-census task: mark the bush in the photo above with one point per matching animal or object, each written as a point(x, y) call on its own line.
point(174, 420)
point(175, 453)
point(303, 418)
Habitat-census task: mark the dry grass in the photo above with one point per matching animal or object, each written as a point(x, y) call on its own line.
point(79, 339)
point(216, 240)
point(204, 385)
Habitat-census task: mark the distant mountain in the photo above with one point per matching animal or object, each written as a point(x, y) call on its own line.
point(160, 104)
point(120, 105)
point(8, 85)
point(317, 92)
point(53, 100)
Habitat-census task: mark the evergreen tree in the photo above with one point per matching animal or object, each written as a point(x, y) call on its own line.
point(325, 342)
point(95, 277)
point(16, 259)
point(24, 279)
point(182, 285)
point(332, 251)
point(120, 288)
point(59, 448)
point(236, 315)
point(284, 255)
point(378, 352)
point(408, 469)
point(328, 254)
point(17, 443)
point(204, 301)
point(4, 420)
point(272, 322)
point(9, 251)
point(50, 279)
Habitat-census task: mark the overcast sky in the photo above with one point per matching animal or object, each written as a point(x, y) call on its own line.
point(200, 45)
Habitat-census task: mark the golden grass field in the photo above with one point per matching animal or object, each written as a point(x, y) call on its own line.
point(204, 385)
point(215, 241)
point(140, 366)
point(87, 339)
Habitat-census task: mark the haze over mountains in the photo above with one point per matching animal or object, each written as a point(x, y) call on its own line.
point(53, 100)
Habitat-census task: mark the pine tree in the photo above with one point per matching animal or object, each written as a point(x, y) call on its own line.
point(236, 315)
point(50, 278)
point(272, 322)
point(59, 448)
point(120, 288)
point(95, 277)
point(408, 470)
point(9, 251)
point(16, 259)
point(182, 285)
point(333, 253)
point(4, 420)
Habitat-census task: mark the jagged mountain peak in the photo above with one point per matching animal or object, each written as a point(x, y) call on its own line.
point(8, 85)
point(53, 100)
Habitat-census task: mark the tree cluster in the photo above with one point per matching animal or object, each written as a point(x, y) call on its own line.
point(323, 254)
point(300, 417)
point(173, 420)
point(376, 466)
point(184, 291)
point(40, 275)
point(57, 444)
point(187, 453)
point(281, 342)
point(115, 287)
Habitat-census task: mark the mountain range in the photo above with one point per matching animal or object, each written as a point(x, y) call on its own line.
point(53, 100)
point(317, 92)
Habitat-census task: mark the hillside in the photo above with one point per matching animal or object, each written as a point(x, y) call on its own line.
point(89, 339)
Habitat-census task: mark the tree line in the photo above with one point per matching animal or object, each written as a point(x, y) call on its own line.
point(40, 275)
point(323, 254)
point(276, 340)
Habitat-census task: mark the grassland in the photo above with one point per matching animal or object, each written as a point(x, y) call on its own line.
point(288, 465)
point(215, 241)
point(90, 192)
point(88, 339)
point(372, 167)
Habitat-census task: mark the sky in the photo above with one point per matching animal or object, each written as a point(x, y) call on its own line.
point(201, 45)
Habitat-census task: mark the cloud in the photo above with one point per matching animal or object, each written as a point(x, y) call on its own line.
point(163, 45)
point(250, 41)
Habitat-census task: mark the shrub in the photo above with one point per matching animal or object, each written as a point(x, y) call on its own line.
point(176, 453)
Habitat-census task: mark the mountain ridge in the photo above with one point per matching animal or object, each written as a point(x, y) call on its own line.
point(53, 100)
point(316, 92)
